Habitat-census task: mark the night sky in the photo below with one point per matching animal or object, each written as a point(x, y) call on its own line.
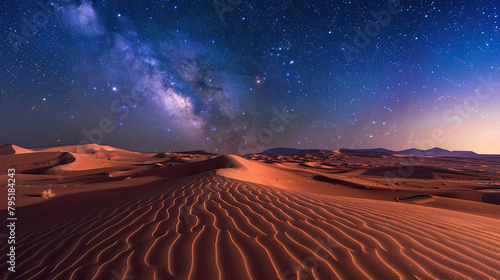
point(243, 76)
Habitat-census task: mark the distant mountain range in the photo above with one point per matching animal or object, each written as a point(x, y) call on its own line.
point(409, 152)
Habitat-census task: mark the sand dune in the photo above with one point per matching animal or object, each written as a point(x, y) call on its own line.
point(250, 231)
point(226, 217)
point(13, 149)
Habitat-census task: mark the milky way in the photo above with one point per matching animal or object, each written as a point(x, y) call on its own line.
point(243, 76)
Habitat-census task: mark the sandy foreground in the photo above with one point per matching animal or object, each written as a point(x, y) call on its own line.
point(194, 215)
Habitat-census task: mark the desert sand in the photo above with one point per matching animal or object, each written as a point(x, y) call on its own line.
point(194, 215)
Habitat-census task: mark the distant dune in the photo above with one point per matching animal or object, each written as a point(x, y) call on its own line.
point(313, 214)
point(283, 151)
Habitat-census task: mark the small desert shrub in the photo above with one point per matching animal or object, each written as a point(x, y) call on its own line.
point(48, 193)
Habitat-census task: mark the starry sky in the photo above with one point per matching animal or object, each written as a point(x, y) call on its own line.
point(237, 76)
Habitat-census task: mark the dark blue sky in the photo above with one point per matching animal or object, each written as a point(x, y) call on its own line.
point(243, 76)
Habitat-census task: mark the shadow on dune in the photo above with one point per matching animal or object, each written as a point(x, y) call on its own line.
point(340, 182)
point(418, 199)
point(418, 172)
point(493, 198)
point(64, 158)
point(7, 150)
